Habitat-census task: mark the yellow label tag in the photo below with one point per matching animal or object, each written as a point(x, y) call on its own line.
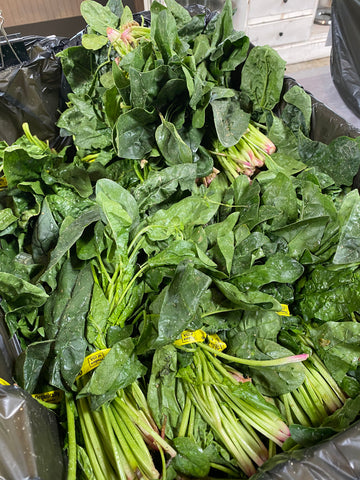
point(189, 336)
point(92, 361)
point(284, 311)
point(3, 382)
point(3, 182)
point(55, 396)
point(216, 343)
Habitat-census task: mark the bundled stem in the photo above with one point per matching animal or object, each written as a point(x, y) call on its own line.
point(119, 439)
point(225, 406)
point(318, 397)
point(246, 156)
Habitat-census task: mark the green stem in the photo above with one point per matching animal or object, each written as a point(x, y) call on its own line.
point(138, 173)
point(94, 448)
point(112, 284)
point(143, 425)
point(257, 363)
point(185, 418)
point(297, 411)
point(191, 425)
point(253, 448)
point(203, 398)
point(286, 404)
point(325, 393)
point(272, 449)
point(318, 364)
point(141, 403)
point(70, 407)
point(133, 444)
point(142, 269)
point(163, 464)
point(222, 468)
point(307, 405)
point(118, 454)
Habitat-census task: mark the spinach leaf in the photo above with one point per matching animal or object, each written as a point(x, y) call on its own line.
point(179, 309)
point(303, 235)
point(340, 159)
point(21, 165)
point(337, 343)
point(348, 251)
point(135, 131)
point(159, 186)
point(20, 294)
point(83, 121)
point(262, 77)
point(7, 218)
point(255, 336)
point(230, 120)
point(165, 34)
point(45, 234)
point(98, 17)
point(30, 364)
point(70, 234)
point(307, 436)
point(117, 370)
point(68, 334)
point(280, 193)
point(278, 268)
point(297, 97)
point(165, 395)
point(248, 300)
point(77, 65)
point(171, 145)
point(190, 460)
point(329, 295)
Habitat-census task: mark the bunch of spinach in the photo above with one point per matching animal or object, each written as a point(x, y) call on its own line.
point(119, 246)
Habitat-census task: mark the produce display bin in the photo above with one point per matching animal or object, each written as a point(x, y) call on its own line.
point(36, 451)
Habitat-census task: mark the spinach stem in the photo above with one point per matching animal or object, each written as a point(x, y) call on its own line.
point(257, 363)
point(70, 417)
point(117, 453)
point(93, 445)
point(185, 417)
point(163, 464)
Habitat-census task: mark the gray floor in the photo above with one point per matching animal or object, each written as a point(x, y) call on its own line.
point(315, 77)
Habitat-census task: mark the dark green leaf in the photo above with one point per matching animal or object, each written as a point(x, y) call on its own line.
point(307, 436)
point(180, 306)
point(98, 17)
point(340, 159)
point(45, 234)
point(190, 460)
point(164, 394)
point(69, 235)
point(70, 343)
point(171, 145)
point(337, 343)
point(262, 77)
point(230, 120)
point(135, 133)
point(119, 369)
point(330, 295)
point(348, 248)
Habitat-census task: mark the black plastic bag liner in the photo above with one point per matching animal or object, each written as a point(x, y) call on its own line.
point(30, 91)
point(9, 350)
point(345, 58)
point(336, 459)
point(29, 438)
